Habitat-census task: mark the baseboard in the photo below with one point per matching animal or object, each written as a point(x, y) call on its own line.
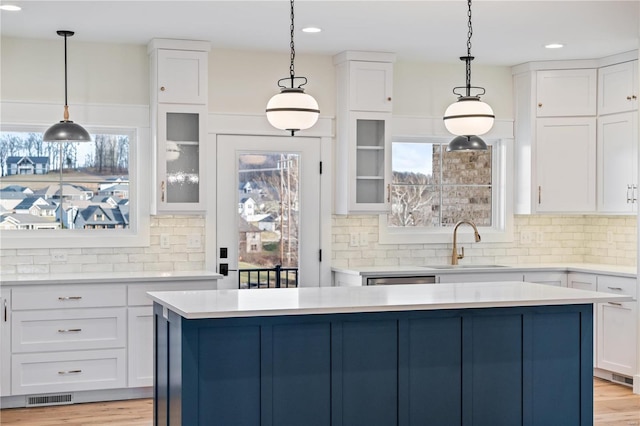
point(78, 397)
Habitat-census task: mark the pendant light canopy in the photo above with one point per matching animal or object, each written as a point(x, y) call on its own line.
point(469, 116)
point(292, 109)
point(66, 130)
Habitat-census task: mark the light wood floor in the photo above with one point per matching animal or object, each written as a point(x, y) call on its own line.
point(614, 405)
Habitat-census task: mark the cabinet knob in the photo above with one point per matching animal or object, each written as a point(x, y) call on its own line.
point(162, 89)
point(540, 105)
point(389, 99)
point(628, 98)
point(634, 97)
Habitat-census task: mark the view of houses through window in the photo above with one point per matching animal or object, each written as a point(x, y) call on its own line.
point(52, 185)
point(435, 188)
point(268, 218)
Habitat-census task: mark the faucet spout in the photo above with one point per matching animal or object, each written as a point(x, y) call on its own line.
point(454, 253)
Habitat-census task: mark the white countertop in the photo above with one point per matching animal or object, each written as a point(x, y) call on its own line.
point(331, 300)
point(390, 271)
point(107, 277)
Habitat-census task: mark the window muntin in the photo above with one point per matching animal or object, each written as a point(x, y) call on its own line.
point(94, 177)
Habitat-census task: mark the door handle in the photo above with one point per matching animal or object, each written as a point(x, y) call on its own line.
point(224, 269)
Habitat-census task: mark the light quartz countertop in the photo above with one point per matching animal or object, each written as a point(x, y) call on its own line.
point(331, 300)
point(398, 271)
point(108, 277)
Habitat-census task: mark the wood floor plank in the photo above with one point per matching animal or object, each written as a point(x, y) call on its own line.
point(614, 405)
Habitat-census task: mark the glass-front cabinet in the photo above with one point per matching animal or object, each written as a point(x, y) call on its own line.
point(371, 153)
point(180, 150)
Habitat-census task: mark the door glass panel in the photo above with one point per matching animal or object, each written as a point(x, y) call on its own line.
point(268, 219)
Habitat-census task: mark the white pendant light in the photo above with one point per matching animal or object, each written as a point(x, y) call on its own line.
point(292, 109)
point(66, 130)
point(469, 116)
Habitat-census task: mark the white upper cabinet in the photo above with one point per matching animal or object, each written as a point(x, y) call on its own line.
point(566, 93)
point(566, 164)
point(618, 163)
point(182, 76)
point(179, 96)
point(371, 86)
point(618, 88)
point(363, 129)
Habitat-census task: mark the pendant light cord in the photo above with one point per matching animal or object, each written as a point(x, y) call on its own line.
point(65, 73)
point(293, 49)
point(469, 57)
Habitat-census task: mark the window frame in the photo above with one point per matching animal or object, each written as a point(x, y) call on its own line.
point(130, 120)
point(501, 199)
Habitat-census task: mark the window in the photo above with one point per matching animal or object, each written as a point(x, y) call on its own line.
point(433, 189)
point(71, 186)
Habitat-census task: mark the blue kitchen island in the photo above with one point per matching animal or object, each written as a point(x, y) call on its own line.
point(507, 353)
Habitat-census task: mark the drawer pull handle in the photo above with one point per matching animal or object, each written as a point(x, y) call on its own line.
point(70, 330)
point(615, 303)
point(615, 288)
point(5, 310)
point(62, 373)
point(69, 298)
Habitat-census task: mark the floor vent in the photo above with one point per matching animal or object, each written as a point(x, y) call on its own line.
point(42, 400)
point(622, 379)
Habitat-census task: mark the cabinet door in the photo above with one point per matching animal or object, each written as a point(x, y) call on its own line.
point(618, 88)
point(566, 93)
point(180, 152)
point(182, 76)
point(140, 347)
point(617, 163)
point(617, 337)
point(5, 342)
point(566, 165)
point(370, 86)
point(558, 279)
point(370, 165)
point(617, 327)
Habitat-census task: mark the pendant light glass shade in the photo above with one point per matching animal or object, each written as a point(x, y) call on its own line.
point(467, 143)
point(469, 116)
point(66, 130)
point(292, 109)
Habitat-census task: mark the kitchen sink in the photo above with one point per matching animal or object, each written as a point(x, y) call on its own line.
point(463, 266)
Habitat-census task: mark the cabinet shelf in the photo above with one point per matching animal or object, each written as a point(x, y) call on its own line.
point(370, 148)
point(370, 177)
point(184, 142)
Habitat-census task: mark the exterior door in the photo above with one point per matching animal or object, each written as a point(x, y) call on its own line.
point(268, 211)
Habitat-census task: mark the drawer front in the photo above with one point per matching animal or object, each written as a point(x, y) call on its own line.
point(68, 371)
point(617, 285)
point(68, 296)
point(72, 329)
point(137, 293)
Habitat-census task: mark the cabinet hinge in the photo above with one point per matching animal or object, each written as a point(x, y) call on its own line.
point(321, 167)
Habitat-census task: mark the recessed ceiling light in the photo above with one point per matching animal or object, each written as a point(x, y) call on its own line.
point(10, 8)
point(554, 46)
point(311, 30)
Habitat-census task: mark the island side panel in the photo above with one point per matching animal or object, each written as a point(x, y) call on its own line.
point(161, 368)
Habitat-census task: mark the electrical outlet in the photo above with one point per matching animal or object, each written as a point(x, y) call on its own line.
point(164, 241)
point(364, 239)
point(610, 237)
point(526, 237)
point(58, 256)
point(539, 237)
point(353, 240)
point(194, 241)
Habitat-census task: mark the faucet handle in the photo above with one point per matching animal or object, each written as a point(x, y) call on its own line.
point(461, 256)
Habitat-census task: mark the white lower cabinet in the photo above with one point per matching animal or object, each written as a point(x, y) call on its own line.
point(140, 346)
point(5, 342)
point(480, 277)
point(68, 371)
point(617, 329)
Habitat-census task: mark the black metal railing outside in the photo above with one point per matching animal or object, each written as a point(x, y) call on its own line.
point(277, 277)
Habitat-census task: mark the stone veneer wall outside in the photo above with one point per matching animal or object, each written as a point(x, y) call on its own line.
point(119, 259)
point(555, 239)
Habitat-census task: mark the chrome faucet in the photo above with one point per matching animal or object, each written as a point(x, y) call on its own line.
point(454, 253)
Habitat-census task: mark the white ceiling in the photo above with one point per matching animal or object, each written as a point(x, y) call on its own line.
point(505, 32)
